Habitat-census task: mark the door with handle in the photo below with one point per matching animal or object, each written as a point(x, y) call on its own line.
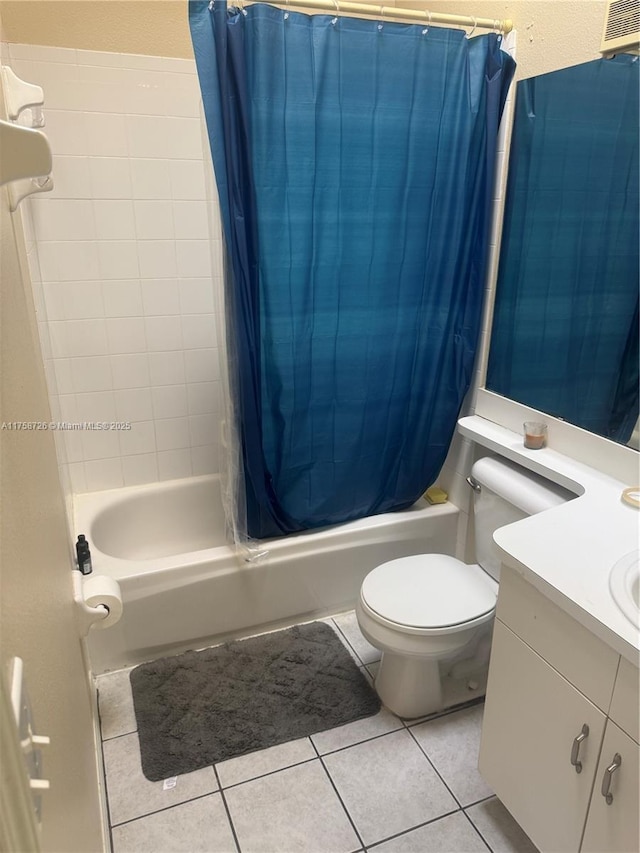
point(540, 744)
point(613, 821)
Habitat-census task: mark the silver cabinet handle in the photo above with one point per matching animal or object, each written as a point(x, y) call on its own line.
point(575, 748)
point(608, 775)
point(475, 485)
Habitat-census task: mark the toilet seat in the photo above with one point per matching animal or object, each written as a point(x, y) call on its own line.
point(429, 594)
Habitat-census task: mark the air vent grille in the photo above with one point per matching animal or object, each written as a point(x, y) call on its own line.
point(622, 25)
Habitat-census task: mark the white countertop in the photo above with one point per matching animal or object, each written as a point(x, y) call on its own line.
point(568, 552)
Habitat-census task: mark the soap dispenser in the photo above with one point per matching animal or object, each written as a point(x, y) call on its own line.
point(84, 555)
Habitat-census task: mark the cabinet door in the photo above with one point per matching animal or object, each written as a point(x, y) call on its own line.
point(532, 715)
point(614, 826)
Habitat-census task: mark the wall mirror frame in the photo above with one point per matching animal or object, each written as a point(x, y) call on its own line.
point(564, 343)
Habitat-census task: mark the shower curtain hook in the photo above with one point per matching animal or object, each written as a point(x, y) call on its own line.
point(475, 26)
point(427, 15)
point(286, 14)
point(334, 21)
point(381, 24)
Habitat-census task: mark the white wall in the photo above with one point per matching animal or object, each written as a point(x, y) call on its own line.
point(552, 34)
point(121, 262)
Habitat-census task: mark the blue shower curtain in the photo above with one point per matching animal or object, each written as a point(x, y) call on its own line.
point(565, 329)
point(355, 163)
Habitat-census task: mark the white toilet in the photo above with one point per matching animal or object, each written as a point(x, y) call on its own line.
point(424, 609)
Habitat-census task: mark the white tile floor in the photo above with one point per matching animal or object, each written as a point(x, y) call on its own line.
point(380, 784)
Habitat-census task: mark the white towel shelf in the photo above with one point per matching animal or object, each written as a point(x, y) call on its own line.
point(28, 186)
point(24, 153)
point(18, 94)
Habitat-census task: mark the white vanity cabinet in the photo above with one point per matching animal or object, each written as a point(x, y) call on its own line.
point(559, 701)
point(532, 715)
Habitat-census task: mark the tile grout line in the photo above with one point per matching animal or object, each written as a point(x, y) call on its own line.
point(413, 828)
point(445, 712)
point(104, 769)
point(356, 742)
point(481, 800)
point(477, 830)
point(371, 674)
point(122, 734)
point(437, 772)
point(346, 642)
point(164, 809)
point(333, 785)
point(264, 775)
point(462, 807)
point(288, 766)
point(228, 812)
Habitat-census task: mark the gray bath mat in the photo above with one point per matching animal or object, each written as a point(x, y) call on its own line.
point(199, 708)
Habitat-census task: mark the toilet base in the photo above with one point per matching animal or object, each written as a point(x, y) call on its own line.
point(409, 686)
point(409, 680)
point(455, 691)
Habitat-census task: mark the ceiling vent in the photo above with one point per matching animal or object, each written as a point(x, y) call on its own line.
point(621, 27)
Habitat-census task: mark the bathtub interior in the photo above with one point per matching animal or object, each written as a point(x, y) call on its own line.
point(206, 595)
point(152, 522)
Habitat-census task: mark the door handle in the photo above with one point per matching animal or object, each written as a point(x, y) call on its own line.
point(608, 776)
point(575, 747)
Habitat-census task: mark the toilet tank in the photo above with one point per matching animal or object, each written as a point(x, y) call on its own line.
point(507, 493)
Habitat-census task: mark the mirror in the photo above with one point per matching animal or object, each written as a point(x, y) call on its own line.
point(565, 329)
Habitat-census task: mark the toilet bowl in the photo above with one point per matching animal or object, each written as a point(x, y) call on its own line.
point(418, 611)
point(424, 609)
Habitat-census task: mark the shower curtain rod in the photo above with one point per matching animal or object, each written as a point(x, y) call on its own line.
point(419, 16)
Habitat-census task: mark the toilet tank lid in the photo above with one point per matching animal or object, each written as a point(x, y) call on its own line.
point(522, 488)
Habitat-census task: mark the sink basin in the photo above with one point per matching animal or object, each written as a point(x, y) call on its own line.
point(624, 583)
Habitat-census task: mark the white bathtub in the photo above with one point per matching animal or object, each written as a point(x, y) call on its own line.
point(183, 586)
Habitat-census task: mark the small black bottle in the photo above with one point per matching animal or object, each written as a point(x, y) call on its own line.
point(84, 555)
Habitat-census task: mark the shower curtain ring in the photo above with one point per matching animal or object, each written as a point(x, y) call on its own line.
point(334, 21)
point(286, 14)
point(427, 15)
point(475, 26)
point(381, 24)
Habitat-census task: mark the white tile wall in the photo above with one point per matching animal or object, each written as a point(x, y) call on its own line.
point(54, 385)
point(120, 254)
